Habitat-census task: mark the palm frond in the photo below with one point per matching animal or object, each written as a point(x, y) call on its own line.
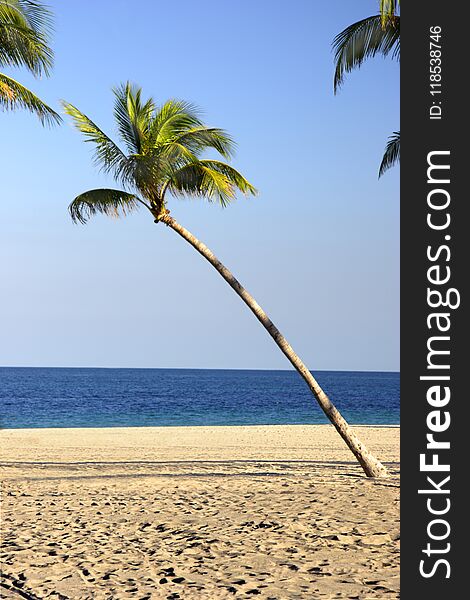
point(33, 14)
point(363, 40)
point(108, 155)
point(211, 179)
point(109, 202)
point(23, 47)
point(172, 157)
point(13, 95)
point(24, 36)
point(199, 139)
point(150, 172)
point(133, 116)
point(172, 119)
point(235, 177)
point(392, 153)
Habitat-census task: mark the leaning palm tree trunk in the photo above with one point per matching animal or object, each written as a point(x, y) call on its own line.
point(372, 467)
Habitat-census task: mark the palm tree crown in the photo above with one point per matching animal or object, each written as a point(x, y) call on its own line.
point(25, 26)
point(163, 147)
point(378, 34)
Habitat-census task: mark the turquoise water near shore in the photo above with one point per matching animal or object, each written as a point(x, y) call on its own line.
point(83, 397)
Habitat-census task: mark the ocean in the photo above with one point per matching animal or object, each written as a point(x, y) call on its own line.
point(83, 397)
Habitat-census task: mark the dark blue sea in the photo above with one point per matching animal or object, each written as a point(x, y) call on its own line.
point(79, 397)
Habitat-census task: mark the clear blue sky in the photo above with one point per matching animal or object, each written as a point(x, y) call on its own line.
point(318, 248)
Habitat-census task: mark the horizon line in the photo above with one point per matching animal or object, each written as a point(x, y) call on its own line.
point(196, 368)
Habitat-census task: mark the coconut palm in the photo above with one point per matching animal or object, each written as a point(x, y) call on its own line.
point(24, 31)
point(379, 34)
point(163, 159)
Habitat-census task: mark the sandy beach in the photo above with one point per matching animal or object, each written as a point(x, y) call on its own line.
point(273, 512)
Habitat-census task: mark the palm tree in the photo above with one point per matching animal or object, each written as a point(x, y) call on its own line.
point(164, 145)
point(24, 32)
point(379, 34)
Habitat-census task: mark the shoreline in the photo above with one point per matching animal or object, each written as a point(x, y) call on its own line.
point(220, 442)
point(372, 425)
